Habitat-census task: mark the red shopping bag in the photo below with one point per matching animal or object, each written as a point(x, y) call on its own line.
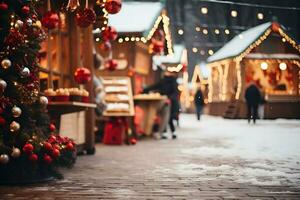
point(114, 132)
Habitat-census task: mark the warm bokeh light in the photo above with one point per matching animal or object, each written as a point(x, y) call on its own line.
point(264, 66)
point(260, 16)
point(282, 66)
point(180, 32)
point(204, 10)
point(234, 13)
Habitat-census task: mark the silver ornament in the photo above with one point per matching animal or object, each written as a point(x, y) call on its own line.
point(19, 24)
point(6, 63)
point(25, 72)
point(3, 85)
point(16, 111)
point(14, 126)
point(29, 22)
point(43, 100)
point(15, 153)
point(4, 159)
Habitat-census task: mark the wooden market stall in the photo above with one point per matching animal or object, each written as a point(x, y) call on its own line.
point(143, 31)
point(61, 54)
point(137, 24)
point(266, 55)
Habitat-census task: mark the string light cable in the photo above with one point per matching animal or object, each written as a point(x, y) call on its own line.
point(251, 5)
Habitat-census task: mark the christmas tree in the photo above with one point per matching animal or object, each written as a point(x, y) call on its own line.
point(28, 147)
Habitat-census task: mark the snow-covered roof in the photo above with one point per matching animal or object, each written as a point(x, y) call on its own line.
point(170, 59)
point(136, 17)
point(239, 43)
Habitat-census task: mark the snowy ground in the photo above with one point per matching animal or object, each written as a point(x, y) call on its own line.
point(212, 159)
point(267, 153)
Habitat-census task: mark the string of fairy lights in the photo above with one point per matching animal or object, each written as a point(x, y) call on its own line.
point(164, 19)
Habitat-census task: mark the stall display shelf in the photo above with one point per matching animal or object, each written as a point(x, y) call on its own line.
point(69, 107)
point(119, 96)
point(149, 97)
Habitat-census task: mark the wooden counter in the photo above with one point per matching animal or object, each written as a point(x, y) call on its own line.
point(150, 104)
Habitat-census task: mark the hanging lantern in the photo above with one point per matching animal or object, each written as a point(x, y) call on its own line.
point(85, 17)
point(73, 5)
point(111, 64)
point(113, 6)
point(109, 33)
point(50, 20)
point(82, 75)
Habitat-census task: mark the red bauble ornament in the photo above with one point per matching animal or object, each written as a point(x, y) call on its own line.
point(50, 20)
point(28, 148)
point(3, 6)
point(25, 10)
point(109, 33)
point(111, 64)
point(113, 6)
point(105, 46)
point(82, 75)
point(133, 141)
point(33, 157)
point(275, 27)
point(55, 153)
point(85, 17)
point(47, 146)
point(52, 138)
point(70, 146)
point(158, 47)
point(2, 121)
point(47, 159)
point(52, 127)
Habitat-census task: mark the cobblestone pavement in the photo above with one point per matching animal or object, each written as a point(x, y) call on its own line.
point(211, 159)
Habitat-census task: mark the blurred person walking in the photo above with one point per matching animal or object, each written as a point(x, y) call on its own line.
point(199, 102)
point(253, 98)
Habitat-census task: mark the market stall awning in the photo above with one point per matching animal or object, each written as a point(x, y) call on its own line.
point(239, 43)
point(136, 17)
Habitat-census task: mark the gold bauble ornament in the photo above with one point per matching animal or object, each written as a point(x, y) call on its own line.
point(16, 111)
point(15, 153)
point(14, 126)
point(4, 159)
point(3, 85)
point(6, 63)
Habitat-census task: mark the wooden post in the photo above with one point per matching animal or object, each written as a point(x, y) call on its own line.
point(88, 62)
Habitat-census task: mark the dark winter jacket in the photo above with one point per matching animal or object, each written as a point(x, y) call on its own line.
point(167, 86)
point(252, 95)
point(199, 99)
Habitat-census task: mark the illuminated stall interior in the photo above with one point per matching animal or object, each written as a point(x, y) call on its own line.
point(136, 24)
point(264, 55)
